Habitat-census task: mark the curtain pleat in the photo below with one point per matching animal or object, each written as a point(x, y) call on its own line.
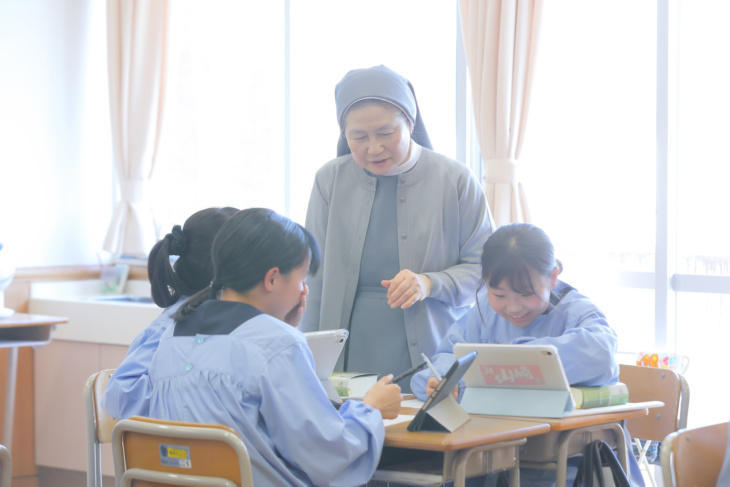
point(500, 39)
point(137, 51)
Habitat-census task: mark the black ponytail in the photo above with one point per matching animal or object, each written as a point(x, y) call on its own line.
point(193, 270)
point(247, 246)
point(194, 301)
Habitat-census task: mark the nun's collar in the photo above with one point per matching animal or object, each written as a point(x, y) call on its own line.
point(415, 153)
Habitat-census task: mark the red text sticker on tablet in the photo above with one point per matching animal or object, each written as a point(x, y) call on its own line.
point(512, 375)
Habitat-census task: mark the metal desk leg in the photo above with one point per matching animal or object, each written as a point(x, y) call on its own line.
point(514, 476)
point(12, 376)
point(462, 458)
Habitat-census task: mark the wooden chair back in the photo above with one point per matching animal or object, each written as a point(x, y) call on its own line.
point(654, 384)
point(151, 452)
point(692, 457)
point(99, 424)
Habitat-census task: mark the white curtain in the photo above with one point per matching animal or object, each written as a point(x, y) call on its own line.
point(500, 38)
point(137, 50)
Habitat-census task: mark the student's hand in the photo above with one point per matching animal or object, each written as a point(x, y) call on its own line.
point(407, 288)
point(433, 382)
point(385, 397)
point(295, 315)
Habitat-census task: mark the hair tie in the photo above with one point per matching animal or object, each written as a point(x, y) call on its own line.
point(178, 242)
point(216, 285)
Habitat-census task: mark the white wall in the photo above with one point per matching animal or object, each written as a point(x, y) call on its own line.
point(55, 159)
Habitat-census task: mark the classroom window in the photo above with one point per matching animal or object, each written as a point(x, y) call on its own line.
point(627, 172)
point(590, 153)
point(703, 332)
point(703, 163)
point(702, 282)
point(222, 142)
point(250, 114)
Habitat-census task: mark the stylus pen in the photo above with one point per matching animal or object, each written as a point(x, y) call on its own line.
point(408, 372)
point(431, 367)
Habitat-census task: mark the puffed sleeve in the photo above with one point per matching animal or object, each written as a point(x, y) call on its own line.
point(128, 391)
point(331, 447)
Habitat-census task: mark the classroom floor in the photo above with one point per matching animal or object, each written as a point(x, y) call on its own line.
point(56, 477)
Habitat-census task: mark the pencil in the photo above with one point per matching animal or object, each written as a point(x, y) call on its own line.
point(408, 372)
point(431, 367)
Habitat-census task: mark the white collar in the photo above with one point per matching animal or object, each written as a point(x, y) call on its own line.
point(408, 165)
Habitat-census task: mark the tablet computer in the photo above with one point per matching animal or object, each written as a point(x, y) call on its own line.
point(326, 347)
point(515, 380)
point(425, 420)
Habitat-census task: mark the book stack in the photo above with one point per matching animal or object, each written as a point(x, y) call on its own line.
point(600, 396)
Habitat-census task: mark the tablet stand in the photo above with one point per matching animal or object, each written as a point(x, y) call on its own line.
point(447, 415)
point(441, 412)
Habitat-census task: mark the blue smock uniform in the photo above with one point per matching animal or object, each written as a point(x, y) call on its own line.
point(585, 342)
point(230, 364)
point(574, 325)
point(128, 391)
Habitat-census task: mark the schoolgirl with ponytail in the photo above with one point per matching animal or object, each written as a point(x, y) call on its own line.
point(235, 356)
point(522, 301)
point(127, 393)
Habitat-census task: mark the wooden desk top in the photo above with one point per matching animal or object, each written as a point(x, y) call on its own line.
point(573, 422)
point(483, 430)
point(25, 319)
point(477, 431)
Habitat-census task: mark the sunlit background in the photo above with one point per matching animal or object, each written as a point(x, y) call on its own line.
point(250, 117)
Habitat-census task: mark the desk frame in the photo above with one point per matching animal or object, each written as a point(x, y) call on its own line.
point(612, 433)
point(482, 445)
point(21, 330)
point(568, 436)
point(546, 443)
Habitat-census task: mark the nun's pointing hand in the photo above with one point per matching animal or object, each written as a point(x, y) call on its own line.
point(407, 288)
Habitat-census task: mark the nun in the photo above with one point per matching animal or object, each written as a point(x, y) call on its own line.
point(401, 228)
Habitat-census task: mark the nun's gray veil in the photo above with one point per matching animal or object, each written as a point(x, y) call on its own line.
point(381, 83)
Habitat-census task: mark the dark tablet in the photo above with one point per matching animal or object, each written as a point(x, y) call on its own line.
point(442, 391)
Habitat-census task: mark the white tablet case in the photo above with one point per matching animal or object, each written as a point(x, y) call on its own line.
point(515, 380)
point(326, 347)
